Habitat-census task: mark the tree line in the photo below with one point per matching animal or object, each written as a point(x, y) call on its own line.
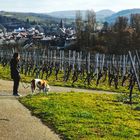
point(117, 37)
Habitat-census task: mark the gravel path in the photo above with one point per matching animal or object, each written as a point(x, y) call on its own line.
point(17, 123)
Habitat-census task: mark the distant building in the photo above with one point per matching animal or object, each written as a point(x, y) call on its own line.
point(61, 25)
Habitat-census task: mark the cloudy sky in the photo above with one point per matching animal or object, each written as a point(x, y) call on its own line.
point(44, 6)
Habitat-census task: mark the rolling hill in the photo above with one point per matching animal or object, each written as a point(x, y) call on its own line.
point(100, 15)
point(38, 17)
point(125, 13)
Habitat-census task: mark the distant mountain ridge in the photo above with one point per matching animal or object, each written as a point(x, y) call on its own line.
point(55, 17)
point(125, 13)
point(103, 15)
point(100, 15)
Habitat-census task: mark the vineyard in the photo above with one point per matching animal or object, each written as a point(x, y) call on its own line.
point(73, 67)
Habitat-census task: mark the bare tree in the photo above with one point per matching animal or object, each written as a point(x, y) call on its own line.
point(90, 27)
point(135, 25)
point(121, 30)
point(79, 28)
point(135, 22)
point(121, 24)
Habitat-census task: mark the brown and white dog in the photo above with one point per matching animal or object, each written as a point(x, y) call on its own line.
point(40, 84)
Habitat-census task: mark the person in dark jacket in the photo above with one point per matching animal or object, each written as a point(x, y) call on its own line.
point(15, 74)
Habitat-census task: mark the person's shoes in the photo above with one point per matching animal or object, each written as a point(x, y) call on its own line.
point(17, 94)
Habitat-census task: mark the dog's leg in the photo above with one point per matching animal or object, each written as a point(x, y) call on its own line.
point(45, 90)
point(33, 86)
point(39, 90)
point(33, 89)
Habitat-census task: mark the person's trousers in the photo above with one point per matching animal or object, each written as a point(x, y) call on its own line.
point(16, 85)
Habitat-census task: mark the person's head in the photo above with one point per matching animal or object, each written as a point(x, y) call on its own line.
point(16, 56)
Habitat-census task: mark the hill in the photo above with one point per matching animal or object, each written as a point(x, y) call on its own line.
point(125, 13)
point(38, 17)
point(100, 15)
point(11, 23)
point(64, 14)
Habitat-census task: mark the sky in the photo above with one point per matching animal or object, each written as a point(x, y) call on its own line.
point(46, 6)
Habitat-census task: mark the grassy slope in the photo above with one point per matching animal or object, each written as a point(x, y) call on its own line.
point(83, 116)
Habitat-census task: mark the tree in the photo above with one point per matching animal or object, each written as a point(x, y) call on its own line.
point(135, 25)
point(121, 24)
point(90, 28)
point(135, 22)
point(105, 26)
point(79, 28)
point(122, 34)
point(91, 20)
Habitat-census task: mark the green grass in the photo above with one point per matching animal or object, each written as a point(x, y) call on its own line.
point(84, 116)
point(5, 74)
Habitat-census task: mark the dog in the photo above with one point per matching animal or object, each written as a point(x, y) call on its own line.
point(40, 84)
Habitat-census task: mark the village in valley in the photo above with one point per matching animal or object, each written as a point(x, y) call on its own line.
point(57, 36)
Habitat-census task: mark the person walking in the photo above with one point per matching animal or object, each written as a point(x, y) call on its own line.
point(15, 74)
